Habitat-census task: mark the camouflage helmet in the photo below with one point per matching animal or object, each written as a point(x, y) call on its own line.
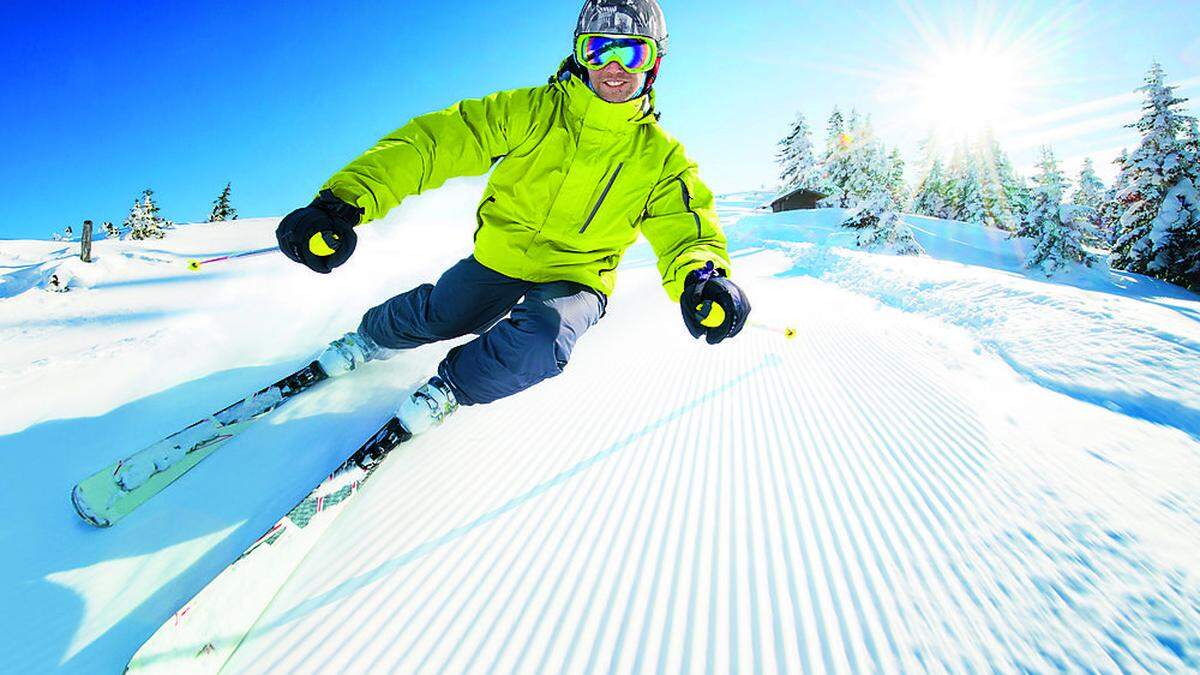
point(624, 17)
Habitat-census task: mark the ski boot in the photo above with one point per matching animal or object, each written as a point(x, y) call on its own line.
point(428, 406)
point(350, 351)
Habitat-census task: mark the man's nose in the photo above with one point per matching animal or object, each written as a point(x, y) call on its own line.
point(612, 68)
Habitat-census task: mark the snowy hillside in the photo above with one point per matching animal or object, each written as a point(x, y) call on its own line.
point(956, 464)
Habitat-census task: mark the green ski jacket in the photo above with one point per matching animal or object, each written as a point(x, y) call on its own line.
point(576, 178)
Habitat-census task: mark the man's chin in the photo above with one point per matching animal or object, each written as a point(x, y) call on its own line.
point(617, 95)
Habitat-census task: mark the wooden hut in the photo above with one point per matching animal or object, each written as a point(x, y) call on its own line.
point(800, 198)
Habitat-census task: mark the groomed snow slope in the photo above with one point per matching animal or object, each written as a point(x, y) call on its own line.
point(954, 465)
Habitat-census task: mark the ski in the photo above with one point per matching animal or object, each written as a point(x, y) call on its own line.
point(205, 632)
point(113, 492)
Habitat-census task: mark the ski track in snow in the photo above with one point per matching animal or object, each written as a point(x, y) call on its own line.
point(949, 469)
point(852, 513)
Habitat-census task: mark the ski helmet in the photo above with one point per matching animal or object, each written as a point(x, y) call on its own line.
point(625, 17)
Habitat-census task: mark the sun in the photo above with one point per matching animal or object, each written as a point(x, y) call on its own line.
point(965, 91)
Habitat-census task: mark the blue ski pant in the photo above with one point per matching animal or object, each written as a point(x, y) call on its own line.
point(526, 331)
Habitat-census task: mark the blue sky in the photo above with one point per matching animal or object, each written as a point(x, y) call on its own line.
point(101, 100)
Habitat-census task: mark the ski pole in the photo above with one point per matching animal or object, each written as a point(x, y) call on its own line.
point(194, 265)
point(788, 332)
point(716, 316)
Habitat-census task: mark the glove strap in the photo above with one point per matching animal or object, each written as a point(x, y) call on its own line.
point(703, 274)
point(338, 209)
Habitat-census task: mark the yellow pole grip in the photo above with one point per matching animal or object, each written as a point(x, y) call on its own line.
point(318, 246)
point(716, 315)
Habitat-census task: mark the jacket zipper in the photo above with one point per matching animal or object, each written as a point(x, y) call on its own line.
point(479, 216)
point(687, 205)
point(601, 200)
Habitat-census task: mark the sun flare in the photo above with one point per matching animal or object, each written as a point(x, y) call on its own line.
point(963, 93)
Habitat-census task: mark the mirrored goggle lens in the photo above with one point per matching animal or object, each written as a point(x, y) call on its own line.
point(631, 53)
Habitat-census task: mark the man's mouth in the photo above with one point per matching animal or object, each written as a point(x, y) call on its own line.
point(615, 84)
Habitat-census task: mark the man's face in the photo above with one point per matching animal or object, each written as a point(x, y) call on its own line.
point(615, 85)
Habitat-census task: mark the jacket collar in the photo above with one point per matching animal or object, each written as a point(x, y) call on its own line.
point(597, 113)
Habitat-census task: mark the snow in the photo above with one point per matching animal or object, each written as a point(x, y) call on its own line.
point(956, 464)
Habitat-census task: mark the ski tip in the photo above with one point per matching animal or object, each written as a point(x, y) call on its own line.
point(86, 513)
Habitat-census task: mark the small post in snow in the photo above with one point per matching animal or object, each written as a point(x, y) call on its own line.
point(85, 242)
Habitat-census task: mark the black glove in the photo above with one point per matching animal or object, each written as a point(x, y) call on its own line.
point(327, 216)
point(703, 287)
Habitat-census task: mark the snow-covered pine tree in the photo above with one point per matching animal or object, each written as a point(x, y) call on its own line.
point(1090, 189)
point(222, 210)
point(1155, 167)
point(956, 172)
point(1111, 209)
point(1191, 142)
point(928, 151)
point(1176, 229)
point(110, 231)
point(834, 128)
point(970, 207)
point(930, 199)
point(996, 178)
point(856, 164)
point(895, 180)
point(1058, 230)
point(1089, 194)
point(143, 221)
point(996, 212)
point(1175, 232)
point(797, 161)
point(880, 228)
point(867, 163)
point(1048, 188)
point(835, 161)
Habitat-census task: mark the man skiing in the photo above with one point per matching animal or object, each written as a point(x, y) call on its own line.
point(581, 166)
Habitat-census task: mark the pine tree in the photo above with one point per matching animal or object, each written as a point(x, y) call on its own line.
point(1111, 209)
point(996, 211)
point(110, 231)
point(835, 162)
point(1192, 145)
point(834, 128)
point(1155, 166)
point(970, 206)
point(956, 173)
point(930, 199)
point(895, 179)
point(143, 221)
point(1176, 228)
point(998, 182)
point(856, 165)
point(222, 210)
point(881, 228)
point(867, 164)
point(927, 153)
point(796, 159)
point(1175, 232)
point(1090, 190)
point(1089, 196)
point(1057, 229)
point(1019, 197)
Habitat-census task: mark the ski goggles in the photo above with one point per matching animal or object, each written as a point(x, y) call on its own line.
point(634, 53)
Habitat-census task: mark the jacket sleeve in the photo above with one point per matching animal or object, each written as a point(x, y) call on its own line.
point(462, 140)
point(680, 222)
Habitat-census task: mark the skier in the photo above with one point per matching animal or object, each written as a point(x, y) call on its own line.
point(581, 165)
